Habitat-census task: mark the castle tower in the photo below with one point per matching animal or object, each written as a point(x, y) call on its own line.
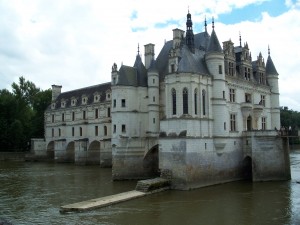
point(153, 100)
point(272, 77)
point(215, 63)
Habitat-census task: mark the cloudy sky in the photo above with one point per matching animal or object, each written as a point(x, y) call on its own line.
point(74, 43)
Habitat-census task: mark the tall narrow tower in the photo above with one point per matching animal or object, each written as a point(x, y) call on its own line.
point(189, 33)
point(215, 63)
point(272, 77)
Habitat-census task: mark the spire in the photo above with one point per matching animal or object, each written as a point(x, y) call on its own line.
point(189, 32)
point(240, 39)
point(138, 52)
point(213, 23)
point(214, 44)
point(205, 25)
point(270, 67)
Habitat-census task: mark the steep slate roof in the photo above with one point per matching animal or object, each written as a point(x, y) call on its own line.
point(270, 68)
point(214, 44)
point(78, 93)
point(189, 62)
point(133, 76)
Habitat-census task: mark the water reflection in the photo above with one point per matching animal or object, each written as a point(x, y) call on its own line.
point(31, 193)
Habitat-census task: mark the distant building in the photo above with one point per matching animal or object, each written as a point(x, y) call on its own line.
point(198, 114)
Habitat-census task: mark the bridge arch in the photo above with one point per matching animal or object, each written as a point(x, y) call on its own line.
point(50, 150)
point(150, 161)
point(247, 168)
point(93, 153)
point(70, 152)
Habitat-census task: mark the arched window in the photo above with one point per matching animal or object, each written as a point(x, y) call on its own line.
point(173, 101)
point(195, 101)
point(185, 104)
point(203, 102)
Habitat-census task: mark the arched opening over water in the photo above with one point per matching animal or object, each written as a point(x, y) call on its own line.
point(247, 168)
point(70, 152)
point(93, 153)
point(50, 150)
point(150, 162)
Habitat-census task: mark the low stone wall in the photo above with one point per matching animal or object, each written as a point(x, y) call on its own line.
point(12, 156)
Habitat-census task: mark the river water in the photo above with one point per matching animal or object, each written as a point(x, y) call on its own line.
point(31, 193)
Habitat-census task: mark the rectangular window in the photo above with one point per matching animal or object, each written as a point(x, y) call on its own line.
point(224, 125)
point(153, 120)
point(83, 115)
point(263, 123)
point(262, 100)
point(73, 116)
point(153, 98)
point(232, 95)
point(96, 130)
point(114, 103)
point(52, 132)
point(172, 68)
point(248, 98)
point(52, 118)
point(123, 128)
point(105, 130)
point(115, 128)
point(123, 103)
point(153, 81)
point(232, 122)
point(63, 117)
point(108, 112)
point(80, 131)
point(96, 113)
point(59, 132)
point(220, 69)
point(223, 94)
point(247, 73)
point(73, 131)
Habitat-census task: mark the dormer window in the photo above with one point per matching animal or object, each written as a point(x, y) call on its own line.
point(108, 94)
point(97, 97)
point(73, 101)
point(63, 104)
point(84, 100)
point(53, 105)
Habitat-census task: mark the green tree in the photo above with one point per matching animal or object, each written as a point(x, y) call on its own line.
point(22, 114)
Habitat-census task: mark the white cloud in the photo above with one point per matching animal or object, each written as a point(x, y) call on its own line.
point(74, 43)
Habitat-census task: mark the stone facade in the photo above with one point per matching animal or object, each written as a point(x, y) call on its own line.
point(198, 114)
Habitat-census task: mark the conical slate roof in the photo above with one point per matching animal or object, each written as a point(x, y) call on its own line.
point(214, 44)
point(270, 68)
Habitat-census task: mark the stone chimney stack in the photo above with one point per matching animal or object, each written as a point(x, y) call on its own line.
point(178, 35)
point(56, 90)
point(149, 54)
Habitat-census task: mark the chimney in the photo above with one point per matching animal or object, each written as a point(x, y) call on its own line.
point(149, 54)
point(178, 35)
point(56, 90)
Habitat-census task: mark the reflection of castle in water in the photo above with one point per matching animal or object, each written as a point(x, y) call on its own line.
point(198, 114)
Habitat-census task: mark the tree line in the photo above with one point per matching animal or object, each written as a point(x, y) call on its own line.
point(22, 115)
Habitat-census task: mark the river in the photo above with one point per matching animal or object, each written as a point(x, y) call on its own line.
point(31, 193)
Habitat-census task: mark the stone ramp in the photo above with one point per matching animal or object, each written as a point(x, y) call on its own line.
point(101, 202)
point(144, 187)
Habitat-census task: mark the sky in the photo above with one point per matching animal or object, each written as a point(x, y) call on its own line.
point(74, 43)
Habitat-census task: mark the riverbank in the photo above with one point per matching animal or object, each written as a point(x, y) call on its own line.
point(12, 156)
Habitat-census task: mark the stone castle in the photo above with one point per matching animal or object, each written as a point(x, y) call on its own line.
point(197, 114)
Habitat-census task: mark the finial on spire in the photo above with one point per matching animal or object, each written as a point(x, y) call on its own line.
point(240, 39)
point(138, 48)
point(205, 24)
point(268, 49)
point(213, 23)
